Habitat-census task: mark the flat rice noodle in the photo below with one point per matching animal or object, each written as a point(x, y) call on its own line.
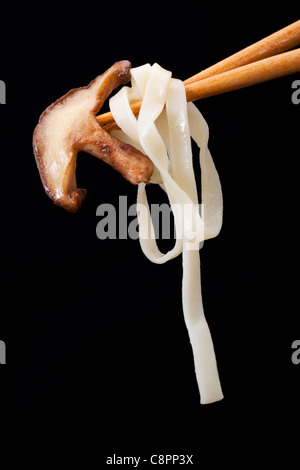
point(163, 131)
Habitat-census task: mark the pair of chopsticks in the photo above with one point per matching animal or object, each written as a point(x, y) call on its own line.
point(265, 60)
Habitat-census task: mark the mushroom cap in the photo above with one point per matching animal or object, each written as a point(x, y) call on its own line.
point(69, 125)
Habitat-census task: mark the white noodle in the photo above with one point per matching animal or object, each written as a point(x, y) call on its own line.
point(165, 136)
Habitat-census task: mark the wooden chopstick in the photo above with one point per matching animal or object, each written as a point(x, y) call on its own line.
point(250, 66)
point(281, 41)
point(263, 70)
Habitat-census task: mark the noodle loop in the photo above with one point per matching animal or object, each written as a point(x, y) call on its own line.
point(163, 131)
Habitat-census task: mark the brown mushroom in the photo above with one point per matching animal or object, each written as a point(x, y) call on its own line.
point(69, 125)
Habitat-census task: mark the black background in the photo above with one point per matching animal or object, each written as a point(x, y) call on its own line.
point(97, 351)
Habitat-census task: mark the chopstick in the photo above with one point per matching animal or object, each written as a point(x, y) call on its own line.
point(263, 70)
point(262, 61)
point(281, 41)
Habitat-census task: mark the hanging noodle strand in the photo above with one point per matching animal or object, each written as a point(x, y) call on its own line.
point(163, 131)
